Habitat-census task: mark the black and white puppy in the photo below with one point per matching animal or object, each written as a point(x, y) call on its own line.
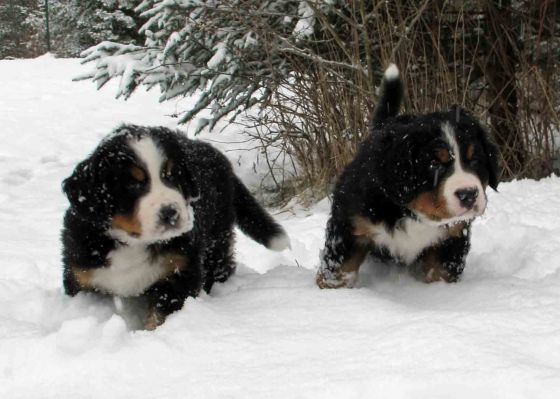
point(410, 193)
point(152, 214)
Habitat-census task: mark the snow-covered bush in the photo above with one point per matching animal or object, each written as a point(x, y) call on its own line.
point(232, 50)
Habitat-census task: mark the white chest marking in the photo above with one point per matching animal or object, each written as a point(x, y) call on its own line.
point(409, 240)
point(131, 271)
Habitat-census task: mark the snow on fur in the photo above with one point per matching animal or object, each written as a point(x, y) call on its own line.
point(269, 331)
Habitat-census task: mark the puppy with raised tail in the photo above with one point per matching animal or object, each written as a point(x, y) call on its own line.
point(410, 193)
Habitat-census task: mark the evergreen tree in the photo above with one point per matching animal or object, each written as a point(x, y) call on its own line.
point(232, 50)
point(20, 28)
point(79, 24)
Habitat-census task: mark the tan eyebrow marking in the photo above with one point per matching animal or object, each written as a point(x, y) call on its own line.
point(137, 173)
point(443, 155)
point(470, 151)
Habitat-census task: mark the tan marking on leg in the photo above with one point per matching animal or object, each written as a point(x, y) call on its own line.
point(154, 319)
point(366, 231)
point(432, 268)
point(83, 277)
point(173, 263)
point(456, 230)
point(127, 223)
point(352, 265)
point(362, 226)
point(347, 275)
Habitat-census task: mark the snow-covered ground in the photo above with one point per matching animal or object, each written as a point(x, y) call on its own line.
point(268, 332)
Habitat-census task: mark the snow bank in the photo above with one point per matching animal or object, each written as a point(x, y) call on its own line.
point(268, 332)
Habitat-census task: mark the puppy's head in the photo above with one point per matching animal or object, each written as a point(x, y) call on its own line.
point(135, 185)
point(437, 165)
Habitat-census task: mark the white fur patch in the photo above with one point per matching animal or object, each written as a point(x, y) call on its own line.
point(279, 242)
point(158, 196)
point(407, 241)
point(391, 73)
point(131, 271)
point(460, 180)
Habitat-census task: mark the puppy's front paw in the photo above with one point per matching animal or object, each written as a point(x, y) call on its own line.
point(434, 274)
point(154, 319)
point(336, 280)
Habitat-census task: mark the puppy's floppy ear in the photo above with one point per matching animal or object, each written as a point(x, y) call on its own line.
point(87, 195)
point(177, 150)
point(396, 171)
point(195, 191)
point(486, 140)
point(188, 183)
point(77, 185)
point(491, 151)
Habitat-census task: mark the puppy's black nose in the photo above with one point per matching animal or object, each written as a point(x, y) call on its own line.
point(467, 197)
point(168, 215)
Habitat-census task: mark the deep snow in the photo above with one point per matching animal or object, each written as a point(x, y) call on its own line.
point(268, 332)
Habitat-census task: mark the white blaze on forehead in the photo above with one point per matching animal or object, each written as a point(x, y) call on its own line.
point(158, 195)
point(460, 180)
point(449, 133)
point(150, 154)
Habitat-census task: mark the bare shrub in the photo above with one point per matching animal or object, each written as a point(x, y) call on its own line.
point(493, 58)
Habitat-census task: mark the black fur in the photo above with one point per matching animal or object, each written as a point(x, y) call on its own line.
point(102, 186)
point(393, 168)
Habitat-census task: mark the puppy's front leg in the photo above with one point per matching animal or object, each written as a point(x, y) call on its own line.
point(341, 258)
point(446, 261)
point(169, 295)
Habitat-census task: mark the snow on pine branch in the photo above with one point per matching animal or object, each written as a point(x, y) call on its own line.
point(230, 50)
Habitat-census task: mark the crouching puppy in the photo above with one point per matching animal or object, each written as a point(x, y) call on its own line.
point(410, 193)
point(152, 214)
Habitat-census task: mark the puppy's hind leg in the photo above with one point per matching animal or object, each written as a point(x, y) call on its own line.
point(219, 261)
point(341, 258)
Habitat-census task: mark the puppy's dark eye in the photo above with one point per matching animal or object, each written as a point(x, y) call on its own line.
point(436, 164)
point(474, 161)
point(135, 185)
point(137, 179)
